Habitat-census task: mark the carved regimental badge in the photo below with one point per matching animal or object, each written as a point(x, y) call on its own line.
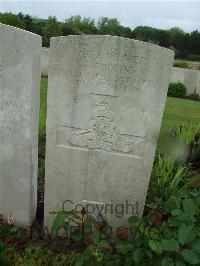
point(103, 132)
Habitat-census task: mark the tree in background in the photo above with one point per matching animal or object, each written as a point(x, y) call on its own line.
point(77, 25)
point(52, 28)
point(112, 26)
point(194, 45)
point(143, 33)
point(185, 45)
point(28, 21)
point(12, 20)
point(151, 35)
point(178, 40)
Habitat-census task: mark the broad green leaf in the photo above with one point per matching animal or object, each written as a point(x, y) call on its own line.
point(176, 212)
point(170, 245)
point(167, 262)
point(124, 247)
point(141, 228)
point(194, 233)
point(172, 203)
point(190, 256)
point(174, 221)
point(189, 207)
point(137, 255)
point(183, 233)
point(59, 223)
point(154, 234)
point(155, 246)
point(196, 246)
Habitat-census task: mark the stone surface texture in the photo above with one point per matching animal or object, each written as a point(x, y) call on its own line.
point(19, 106)
point(44, 61)
point(105, 105)
point(189, 77)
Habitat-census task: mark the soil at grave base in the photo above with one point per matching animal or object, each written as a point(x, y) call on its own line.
point(36, 237)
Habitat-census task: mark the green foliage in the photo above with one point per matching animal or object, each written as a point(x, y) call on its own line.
point(79, 226)
point(181, 64)
point(42, 121)
point(9, 236)
point(185, 45)
point(170, 237)
point(78, 25)
point(111, 26)
point(194, 96)
point(189, 136)
point(179, 40)
point(193, 57)
point(167, 176)
point(152, 35)
point(176, 90)
point(52, 28)
point(43, 107)
point(12, 20)
point(38, 256)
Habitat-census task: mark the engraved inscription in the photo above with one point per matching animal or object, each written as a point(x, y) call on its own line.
point(11, 111)
point(103, 132)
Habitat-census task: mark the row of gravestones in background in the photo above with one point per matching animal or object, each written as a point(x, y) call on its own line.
point(105, 104)
point(189, 77)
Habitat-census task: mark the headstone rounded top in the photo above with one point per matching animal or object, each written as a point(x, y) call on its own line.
point(22, 31)
point(103, 37)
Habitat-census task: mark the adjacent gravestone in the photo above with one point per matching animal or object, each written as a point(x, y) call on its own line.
point(178, 74)
point(189, 77)
point(19, 105)
point(44, 61)
point(105, 105)
point(191, 81)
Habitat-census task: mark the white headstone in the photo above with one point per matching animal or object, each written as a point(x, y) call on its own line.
point(188, 77)
point(19, 105)
point(178, 74)
point(105, 105)
point(44, 61)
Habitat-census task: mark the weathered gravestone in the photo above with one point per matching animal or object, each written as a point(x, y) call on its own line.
point(189, 77)
point(19, 105)
point(44, 61)
point(105, 104)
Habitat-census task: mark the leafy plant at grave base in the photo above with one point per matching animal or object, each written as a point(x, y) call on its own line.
point(189, 135)
point(176, 90)
point(167, 176)
point(167, 238)
point(79, 227)
point(9, 238)
point(94, 233)
point(38, 256)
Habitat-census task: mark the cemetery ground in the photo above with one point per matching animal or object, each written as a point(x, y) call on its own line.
point(168, 234)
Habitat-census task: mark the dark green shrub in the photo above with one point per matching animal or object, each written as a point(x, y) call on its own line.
point(193, 57)
point(194, 96)
point(176, 90)
point(182, 64)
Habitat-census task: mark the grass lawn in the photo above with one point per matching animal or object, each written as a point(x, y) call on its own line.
point(180, 111)
point(177, 111)
point(43, 106)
